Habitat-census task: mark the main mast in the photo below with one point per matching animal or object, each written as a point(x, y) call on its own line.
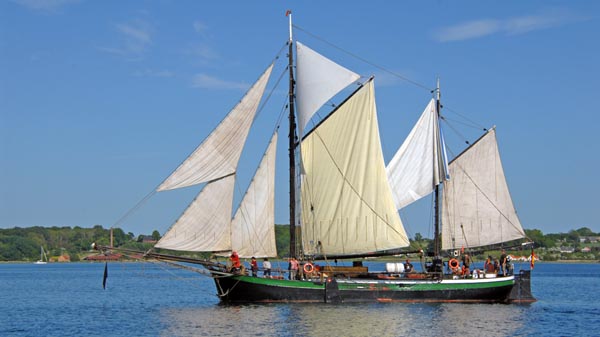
point(292, 144)
point(436, 214)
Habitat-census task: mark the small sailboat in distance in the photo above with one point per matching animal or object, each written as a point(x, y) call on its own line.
point(43, 257)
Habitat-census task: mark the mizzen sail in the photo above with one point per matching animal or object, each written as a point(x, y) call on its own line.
point(347, 205)
point(478, 209)
point(220, 152)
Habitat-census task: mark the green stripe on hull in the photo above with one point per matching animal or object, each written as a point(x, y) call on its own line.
point(385, 286)
point(281, 283)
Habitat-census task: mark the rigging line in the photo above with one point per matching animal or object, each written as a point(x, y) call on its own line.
point(460, 135)
point(465, 117)
point(404, 78)
point(268, 97)
point(136, 207)
point(477, 127)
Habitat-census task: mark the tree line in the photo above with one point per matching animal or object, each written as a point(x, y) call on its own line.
point(23, 244)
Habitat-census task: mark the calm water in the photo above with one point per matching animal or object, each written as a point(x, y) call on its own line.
point(146, 299)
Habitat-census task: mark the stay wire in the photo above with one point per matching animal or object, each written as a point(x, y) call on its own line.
point(473, 123)
point(404, 78)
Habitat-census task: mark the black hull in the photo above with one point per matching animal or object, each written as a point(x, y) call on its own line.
point(244, 289)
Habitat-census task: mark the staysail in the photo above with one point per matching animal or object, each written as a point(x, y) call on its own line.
point(477, 209)
point(205, 224)
point(252, 227)
point(318, 79)
point(220, 152)
point(418, 166)
point(347, 205)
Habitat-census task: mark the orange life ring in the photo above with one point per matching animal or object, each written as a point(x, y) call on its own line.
point(308, 268)
point(453, 263)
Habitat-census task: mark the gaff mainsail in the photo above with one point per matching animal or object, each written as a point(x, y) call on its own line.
point(347, 205)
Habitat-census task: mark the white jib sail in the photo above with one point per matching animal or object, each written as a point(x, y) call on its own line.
point(219, 153)
point(318, 79)
point(253, 225)
point(478, 209)
point(205, 224)
point(418, 167)
point(347, 205)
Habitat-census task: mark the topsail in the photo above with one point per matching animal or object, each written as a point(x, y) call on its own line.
point(319, 79)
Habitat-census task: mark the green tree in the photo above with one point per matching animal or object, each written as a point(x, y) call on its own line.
point(418, 237)
point(584, 231)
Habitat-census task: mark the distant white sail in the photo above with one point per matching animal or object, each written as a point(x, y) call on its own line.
point(418, 166)
point(205, 224)
point(219, 154)
point(318, 79)
point(347, 205)
point(477, 209)
point(253, 225)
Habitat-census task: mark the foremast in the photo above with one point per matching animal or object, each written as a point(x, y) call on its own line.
point(292, 142)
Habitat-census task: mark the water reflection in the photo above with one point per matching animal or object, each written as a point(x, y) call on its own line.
point(347, 320)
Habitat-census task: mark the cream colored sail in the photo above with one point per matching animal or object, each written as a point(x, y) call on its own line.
point(318, 79)
point(253, 225)
point(205, 224)
point(219, 154)
point(418, 167)
point(477, 208)
point(347, 205)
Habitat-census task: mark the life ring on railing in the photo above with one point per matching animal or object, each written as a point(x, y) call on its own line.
point(453, 263)
point(308, 268)
point(455, 252)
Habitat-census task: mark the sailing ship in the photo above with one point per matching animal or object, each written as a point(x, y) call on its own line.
point(43, 258)
point(344, 199)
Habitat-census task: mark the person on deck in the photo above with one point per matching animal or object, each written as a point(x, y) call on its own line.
point(254, 266)
point(408, 267)
point(236, 264)
point(503, 262)
point(466, 268)
point(488, 266)
point(293, 268)
point(266, 268)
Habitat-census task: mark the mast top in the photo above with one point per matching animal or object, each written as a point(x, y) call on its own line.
point(288, 13)
point(437, 89)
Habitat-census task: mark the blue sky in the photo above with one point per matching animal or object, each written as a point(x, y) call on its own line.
point(101, 100)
